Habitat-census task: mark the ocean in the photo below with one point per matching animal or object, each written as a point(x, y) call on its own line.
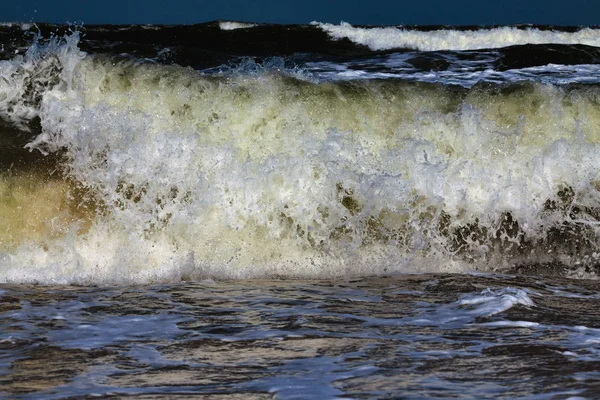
point(242, 210)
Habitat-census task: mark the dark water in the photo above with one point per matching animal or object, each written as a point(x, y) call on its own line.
point(414, 337)
point(303, 211)
point(215, 46)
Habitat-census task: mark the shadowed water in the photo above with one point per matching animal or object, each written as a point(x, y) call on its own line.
point(415, 336)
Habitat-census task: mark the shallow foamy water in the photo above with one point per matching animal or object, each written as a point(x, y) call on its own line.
point(415, 336)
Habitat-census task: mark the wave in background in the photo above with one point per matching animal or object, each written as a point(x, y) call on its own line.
point(386, 38)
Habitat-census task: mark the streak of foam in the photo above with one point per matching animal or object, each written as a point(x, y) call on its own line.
point(446, 39)
point(468, 310)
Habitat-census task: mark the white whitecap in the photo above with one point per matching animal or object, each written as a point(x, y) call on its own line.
point(385, 38)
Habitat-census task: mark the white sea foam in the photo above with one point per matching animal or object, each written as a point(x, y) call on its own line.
point(447, 39)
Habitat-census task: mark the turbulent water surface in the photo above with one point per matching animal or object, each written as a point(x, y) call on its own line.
point(239, 204)
point(414, 337)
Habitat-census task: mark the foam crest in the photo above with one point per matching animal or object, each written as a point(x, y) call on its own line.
point(249, 66)
point(490, 302)
point(248, 175)
point(386, 38)
point(25, 79)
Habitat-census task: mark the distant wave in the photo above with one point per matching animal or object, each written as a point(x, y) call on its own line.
point(386, 38)
point(23, 25)
point(233, 25)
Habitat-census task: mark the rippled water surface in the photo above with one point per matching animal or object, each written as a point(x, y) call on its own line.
point(414, 336)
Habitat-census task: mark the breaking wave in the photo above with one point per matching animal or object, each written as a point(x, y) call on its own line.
point(160, 173)
point(386, 38)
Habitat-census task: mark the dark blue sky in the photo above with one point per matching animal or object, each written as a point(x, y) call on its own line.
point(455, 12)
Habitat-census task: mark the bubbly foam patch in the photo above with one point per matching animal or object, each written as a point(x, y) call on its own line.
point(447, 39)
point(261, 174)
